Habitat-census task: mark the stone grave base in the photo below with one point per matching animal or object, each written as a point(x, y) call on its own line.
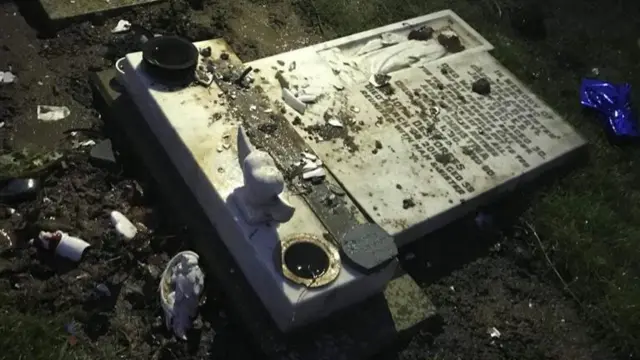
point(357, 333)
point(63, 10)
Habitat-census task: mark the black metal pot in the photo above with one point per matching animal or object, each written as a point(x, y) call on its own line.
point(170, 59)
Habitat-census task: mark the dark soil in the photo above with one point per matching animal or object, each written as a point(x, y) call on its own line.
point(477, 283)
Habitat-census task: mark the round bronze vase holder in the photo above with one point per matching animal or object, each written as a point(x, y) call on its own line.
point(308, 260)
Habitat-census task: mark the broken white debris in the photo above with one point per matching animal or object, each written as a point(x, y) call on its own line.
point(69, 247)
point(123, 226)
point(292, 101)
point(335, 122)
point(103, 290)
point(7, 77)
point(494, 333)
point(122, 26)
point(315, 173)
point(52, 113)
point(309, 165)
point(204, 78)
point(181, 286)
point(308, 98)
point(309, 156)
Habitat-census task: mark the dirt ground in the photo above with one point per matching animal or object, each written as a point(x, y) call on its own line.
point(493, 295)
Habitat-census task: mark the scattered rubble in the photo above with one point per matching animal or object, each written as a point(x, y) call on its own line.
point(7, 77)
point(123, 226)
point(293, 101)
point(451, 41)
point(52, 113)
point(481, 86)
point(122, 27)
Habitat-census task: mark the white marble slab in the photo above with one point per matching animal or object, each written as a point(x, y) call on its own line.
point(193, 124)
point(433, 150)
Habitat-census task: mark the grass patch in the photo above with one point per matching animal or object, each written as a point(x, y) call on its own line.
point(590, 220)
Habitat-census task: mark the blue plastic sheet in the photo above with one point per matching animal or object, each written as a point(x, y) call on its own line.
point(613, 103)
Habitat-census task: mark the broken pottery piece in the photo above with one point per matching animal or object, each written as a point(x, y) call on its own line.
point(123, 226)
point(181, 286)
point(52, 113)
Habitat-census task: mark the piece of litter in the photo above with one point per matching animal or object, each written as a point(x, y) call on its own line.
point(63, 244)
point(123, 226)
point(122, 26)
point(7, 77)
point(494, 333)
point(292, 66)
point(52, 113)
point(335, 122)
point(338, 87)
point(292, 101)
point(315, 173)
point(104, 290)
point(181, 286)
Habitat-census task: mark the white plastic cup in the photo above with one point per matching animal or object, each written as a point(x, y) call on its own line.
point(71, 247)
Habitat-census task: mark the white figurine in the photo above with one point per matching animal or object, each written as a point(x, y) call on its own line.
point(260, 199)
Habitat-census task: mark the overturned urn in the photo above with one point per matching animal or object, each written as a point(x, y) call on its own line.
point(308, 260)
